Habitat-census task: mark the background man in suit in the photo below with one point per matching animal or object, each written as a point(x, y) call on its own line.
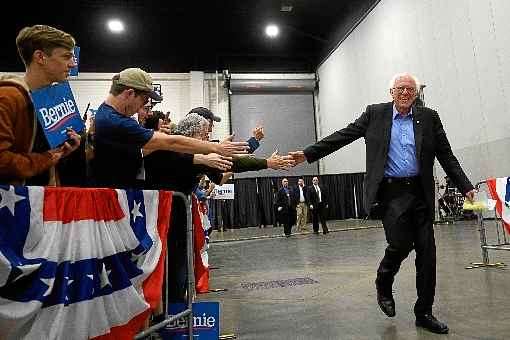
point(300, 202)
point(318, 204)
point(401, 141)
point(285, 209)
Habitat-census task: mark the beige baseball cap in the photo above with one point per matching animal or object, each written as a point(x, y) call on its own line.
point(140, 80)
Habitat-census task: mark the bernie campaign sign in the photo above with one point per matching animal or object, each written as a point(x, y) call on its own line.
point(56, 111)
point(206, 325)
point(224, 192)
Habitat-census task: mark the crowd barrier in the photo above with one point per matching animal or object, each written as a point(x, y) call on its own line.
point(493, 235)
point(188, 312)
point(86, 261)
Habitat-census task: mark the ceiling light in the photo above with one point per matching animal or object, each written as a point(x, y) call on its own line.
point(116, 26)
point(272, 31)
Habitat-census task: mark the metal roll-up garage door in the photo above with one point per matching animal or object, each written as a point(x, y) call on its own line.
point(286, 110)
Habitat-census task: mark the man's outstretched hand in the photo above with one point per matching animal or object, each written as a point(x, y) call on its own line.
point(228, 148)
point(278, 162)
point(298, 156)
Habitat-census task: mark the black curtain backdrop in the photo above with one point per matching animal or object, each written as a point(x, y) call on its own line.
point(254, 197)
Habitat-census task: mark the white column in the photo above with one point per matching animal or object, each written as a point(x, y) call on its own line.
point(196, 89)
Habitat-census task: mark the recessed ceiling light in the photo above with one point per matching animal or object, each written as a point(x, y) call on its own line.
point(116, 26)
point(272, 31)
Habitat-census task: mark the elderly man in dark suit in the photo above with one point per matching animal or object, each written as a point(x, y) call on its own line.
point(402, 141)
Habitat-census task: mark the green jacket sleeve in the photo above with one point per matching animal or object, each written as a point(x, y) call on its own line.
point(248, 163)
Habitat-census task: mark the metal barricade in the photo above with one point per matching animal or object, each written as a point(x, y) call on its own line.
point(191, 279)
point(497, 236)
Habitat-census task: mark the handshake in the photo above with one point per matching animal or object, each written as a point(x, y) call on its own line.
point(225, 162)
point(278, 162)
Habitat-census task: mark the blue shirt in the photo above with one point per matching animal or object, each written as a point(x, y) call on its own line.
point(118, 143)
point(402, 152)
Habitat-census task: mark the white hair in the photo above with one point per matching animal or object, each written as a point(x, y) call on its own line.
point(191, 125)
point(404, 74)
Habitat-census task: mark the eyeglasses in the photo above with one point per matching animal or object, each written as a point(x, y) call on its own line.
point(400, 89)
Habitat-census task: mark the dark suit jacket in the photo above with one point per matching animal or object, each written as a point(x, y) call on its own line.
point(375, 126)
point(295, 195)
point(288, 213)
point(313, 197)
point(282, 200)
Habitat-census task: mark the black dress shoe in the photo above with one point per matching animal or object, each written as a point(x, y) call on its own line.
point(387, 304)
point(430, 323)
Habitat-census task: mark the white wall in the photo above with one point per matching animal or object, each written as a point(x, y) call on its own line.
point(219, 105)
point(459, 48)
point(93, 88)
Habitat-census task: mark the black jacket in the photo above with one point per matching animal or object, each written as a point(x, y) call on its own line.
point(375, 126)
point(283, 201)
point(313, 197)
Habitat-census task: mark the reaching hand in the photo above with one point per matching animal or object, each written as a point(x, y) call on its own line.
point(311, 207)
point(470, 195)
point(213, 160)
point(229, 148)
point(258, 133)
point(277, 162)
point(280, 208)
point(298, 156)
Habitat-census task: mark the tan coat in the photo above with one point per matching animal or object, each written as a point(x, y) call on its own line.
point(18, 125)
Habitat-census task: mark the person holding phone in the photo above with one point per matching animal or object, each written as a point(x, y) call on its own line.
point(25, 155)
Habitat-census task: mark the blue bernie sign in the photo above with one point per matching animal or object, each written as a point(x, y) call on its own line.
point(206, 322)
point(56, 111)
point(74, 70)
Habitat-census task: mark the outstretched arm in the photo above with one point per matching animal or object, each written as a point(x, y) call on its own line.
point(334, 141)
point(161, 141)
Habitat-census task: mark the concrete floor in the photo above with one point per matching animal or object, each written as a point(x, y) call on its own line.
point(338, 301)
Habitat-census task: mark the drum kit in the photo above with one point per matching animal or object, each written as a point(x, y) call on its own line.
point(450, 203)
